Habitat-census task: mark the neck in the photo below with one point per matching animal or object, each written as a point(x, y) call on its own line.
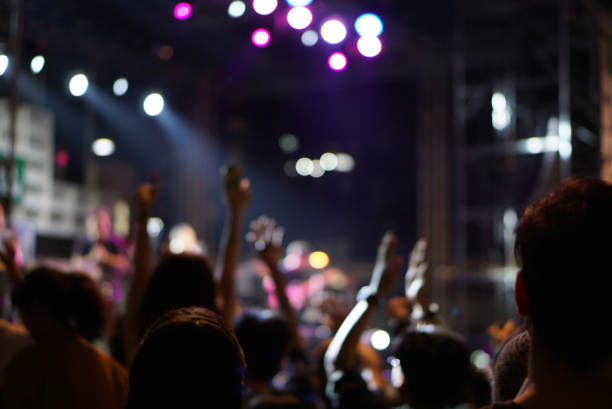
point(554, 385)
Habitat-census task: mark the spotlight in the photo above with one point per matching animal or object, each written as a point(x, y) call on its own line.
point(369, 46)
point(369, 25)
point(261, 37)
point(299, 18)
point(236, 9)
point(333, 31)
point(103, 147)
point(182, 11)
point(4, 62)
point(153, 104)
point(78, 85)
point(337, 61)
point(264, 7)
point(37, 64)
point(380, 340)
point(120, 86)
point(310, 38)
point(318, 260)
point(329, 161)
point(304, 166)
point(299, 3)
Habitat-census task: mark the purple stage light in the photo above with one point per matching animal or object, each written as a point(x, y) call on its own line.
point(369, 46)
point(337, 61)
point(299, 18)
point(261, 37)
point(182, 11)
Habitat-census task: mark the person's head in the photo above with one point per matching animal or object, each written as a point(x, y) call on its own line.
point(49, 300)
point(187, 359)
point(104, 223)
point(563, 244)
point(510, 369)
point(437, 370)
point(264, 338)
point(184, 280)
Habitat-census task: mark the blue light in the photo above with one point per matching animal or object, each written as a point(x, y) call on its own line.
point(299, 3)
point(369, 25)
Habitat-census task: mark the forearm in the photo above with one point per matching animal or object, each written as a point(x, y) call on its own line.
point(285, 305)
point(343, 348)
point(229, 262)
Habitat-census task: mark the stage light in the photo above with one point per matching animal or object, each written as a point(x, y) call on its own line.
point(310, 38)
point(182, 11)
point(500, 119)
point(369, 25)
point(499, 102)
point(288, 143)
point(480, 359)
point(346, 163)
point(236, 9)
point(4, 63)
point(329, 161)
point(37, 64)
point(337, 61)
point(535, 145)
point(292, 262)
point(120, 86)
point(510, 219)
point(155, 225)
point(299, 3)
point(78, 85)
point(61, 159)
point(261, 37)
point(317, 169)
point(565, 149)
point(333, 31)
point(153, 104)
point(264, 7)
point(380, 340)
point(369, 46)
point(304, 166)
point(103, 147)
point(318, 260)
point(299, 18)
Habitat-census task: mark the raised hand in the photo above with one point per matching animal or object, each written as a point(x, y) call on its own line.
point(267, 238)
point(237, 189)
point(146, 194)
point(8, 251)
point(415, 275)
point(387, 267)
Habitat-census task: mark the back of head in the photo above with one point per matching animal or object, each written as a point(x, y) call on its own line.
point(184, 280)
point(264, 338)
point(71, 299)
point(188, 359)
point(511, 366)
point(436, 368)
point(563, 243)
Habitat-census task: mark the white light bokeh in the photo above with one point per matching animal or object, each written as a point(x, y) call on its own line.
point(346, 163)
point(317, 169)
point(310, 38)
point(304, 166)
point(103, 147)
point(535, 145)
point(236, 9)
point(264, 7)
point(480, 359)
point(4, 63)
point(37, 64)
point(333, 31)
point(500, 119)
point(499, 102)
point(380, 340)
point(78, 85)
point(369, 25)
point(153, 104)
point(369, 46)
point(289, 143)
point(120, 86)
point(299, 3)
point(155, 225)
point(299, 18)
point(329, 161)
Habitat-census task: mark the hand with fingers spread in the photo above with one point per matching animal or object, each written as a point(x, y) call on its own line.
point(237, 190)
point(267, 238)
point(415, 275)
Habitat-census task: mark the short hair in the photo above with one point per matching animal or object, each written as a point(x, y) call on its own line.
point(436, 369)
point(74, 300)
point(563, 243)
point(511, 365)
point(188, 358)
point(264, 338)
point(181, 280)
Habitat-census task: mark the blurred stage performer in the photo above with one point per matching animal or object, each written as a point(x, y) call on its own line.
point(104, 257)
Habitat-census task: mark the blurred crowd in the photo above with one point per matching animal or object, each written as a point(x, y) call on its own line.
point(167, 329)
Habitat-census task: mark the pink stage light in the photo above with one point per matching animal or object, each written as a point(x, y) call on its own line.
point(299, 17)
point(261, 37)
point(337, 61)
point(182, 11)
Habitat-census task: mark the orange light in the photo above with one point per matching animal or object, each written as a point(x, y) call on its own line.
point(318, 259)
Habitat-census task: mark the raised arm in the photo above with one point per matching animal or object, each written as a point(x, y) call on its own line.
point(143, 264)
point(268, 239)
point(341, 352)
point(237, 195)
point(7, 255)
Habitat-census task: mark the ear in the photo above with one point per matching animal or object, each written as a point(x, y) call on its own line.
point(520, 295)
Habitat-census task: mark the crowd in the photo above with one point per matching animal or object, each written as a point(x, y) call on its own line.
point(186, 341)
